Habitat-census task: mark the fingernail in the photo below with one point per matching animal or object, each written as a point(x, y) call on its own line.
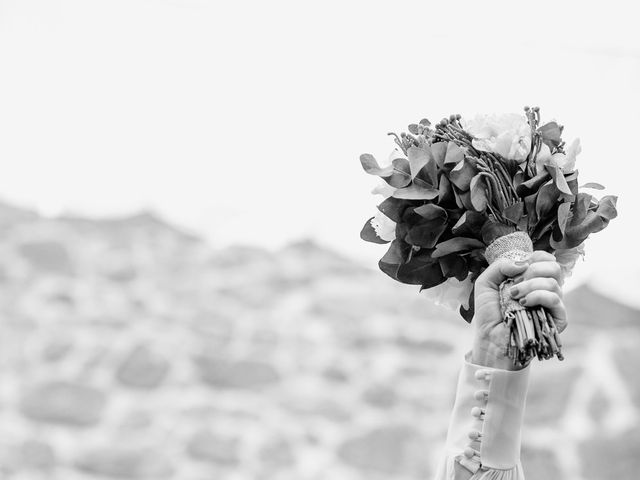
point(517, 279)
point(523, 301)
point(514, 291)
point(521, 262)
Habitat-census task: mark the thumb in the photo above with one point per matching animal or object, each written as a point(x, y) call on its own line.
point(502, 269)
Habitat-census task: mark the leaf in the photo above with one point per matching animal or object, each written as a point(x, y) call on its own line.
point(454, 156)
point(413, 128)
point(421, 270)
point(564, 212)
point(401, 175)
point(395, 255)
point(426, 234)
point(456, 244)
point(368, 233)
point(427, 177)
point(478, 188)
point(558, 178)
point(530, 208)
point(393, 208)
point(439, 150)
point(416, 192)
point(580, 208)
point(418, 158)
point(492, 230)
point(551, 134)
point(454, 266)
point(607, 207)
point(514, 212)
point(469, 223)
point(463, 199)
point(595, 186)
point(462, 174)
point(467, 313)
point(370, 165)
point(432, 212)
point(547, 198)
point(533, 184)
point(445, 192)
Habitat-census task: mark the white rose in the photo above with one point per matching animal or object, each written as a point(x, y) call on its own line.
point(384, 227)
point(565, 161)
point(451, 293)
point(508, 135)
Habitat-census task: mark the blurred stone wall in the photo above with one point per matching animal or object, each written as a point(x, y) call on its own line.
point(131, 350)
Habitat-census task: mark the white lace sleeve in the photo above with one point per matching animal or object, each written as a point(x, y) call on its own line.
point(483, 440)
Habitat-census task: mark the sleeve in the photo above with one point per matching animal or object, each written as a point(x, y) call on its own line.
point(483, 440)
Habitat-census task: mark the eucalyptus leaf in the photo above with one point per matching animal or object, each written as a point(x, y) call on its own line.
point(418, 157)
point(454, 266)
point(593, 185)
point(558, 178)
point(370, 165)
point(469, 223)
point(401, 175)
point(547, 197)
point(456, 244)
point(455, 155)
point(445, 191)
point(551, 134)
point(421, 270)
point(393, 208)
point(607, 207)
point(368, 233)
point(416, 192)
point(532, 185)
point(462, 174)
point(478, 189)
point(514, 212)
point(439, 151)
point(564, 214)
point(431, 212)
point(427, 233)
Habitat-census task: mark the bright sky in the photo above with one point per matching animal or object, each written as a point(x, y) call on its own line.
point(244, 120)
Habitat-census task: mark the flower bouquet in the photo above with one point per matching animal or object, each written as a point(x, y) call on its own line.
point(464, 193)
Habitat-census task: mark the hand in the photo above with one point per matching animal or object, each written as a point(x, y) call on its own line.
point(537, 281)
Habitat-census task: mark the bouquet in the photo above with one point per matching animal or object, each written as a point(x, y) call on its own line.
point(464, 193)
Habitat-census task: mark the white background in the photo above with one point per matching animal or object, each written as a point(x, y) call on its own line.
point(244, 120)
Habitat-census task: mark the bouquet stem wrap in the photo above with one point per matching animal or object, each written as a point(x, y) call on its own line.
point(532, 331)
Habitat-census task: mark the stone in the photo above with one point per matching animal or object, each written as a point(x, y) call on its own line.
point(64, 403)
point(209, 447)
point(335, 374)
point(48, 256)
point(37, 454)
point(126, 463)
point(380, 396)
point(427, 345)
point(612, 457)
point(276, 454)
point(143, 368)
point(627, 360)
point(391, 450)
point(549, 392)
point(236, 374)
point(539, 464)
point(56, 349)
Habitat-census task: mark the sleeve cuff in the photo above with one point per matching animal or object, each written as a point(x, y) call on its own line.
point(486, 422)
